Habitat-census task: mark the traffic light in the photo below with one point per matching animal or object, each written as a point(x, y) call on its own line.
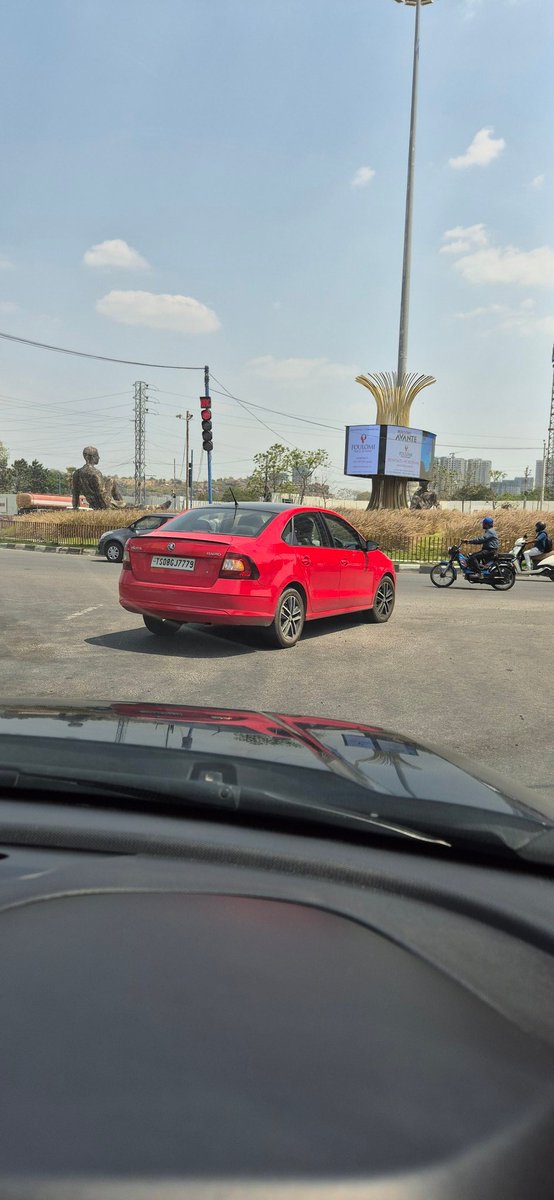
point(206, 414)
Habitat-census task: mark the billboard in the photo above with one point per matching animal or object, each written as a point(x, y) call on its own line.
point(394, 450)
point(362, 449)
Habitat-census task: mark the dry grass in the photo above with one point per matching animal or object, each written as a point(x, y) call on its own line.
point(403, 533)
point(395, 530)
point(83, 527)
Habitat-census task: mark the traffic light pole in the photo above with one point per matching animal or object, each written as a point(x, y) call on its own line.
point(209, 453)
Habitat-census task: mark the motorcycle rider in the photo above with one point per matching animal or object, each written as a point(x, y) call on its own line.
point(541, 545)
point(489, 544)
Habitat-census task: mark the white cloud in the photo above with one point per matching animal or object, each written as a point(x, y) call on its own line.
point(114, 253)
point(538, 181)
point(363, 176)
point(484, 310)
point(521, 319)
point(297, 370)
point(507, 264)
point(480, 262)
point(158, 311)
point(481, 151)
point(462, 239)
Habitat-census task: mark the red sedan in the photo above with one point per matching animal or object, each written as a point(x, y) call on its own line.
point(274, 565)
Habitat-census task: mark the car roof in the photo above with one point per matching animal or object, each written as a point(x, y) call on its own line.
point(264, 506)
point(246, 505)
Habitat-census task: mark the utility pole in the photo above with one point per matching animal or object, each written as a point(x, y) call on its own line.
point(141, 398)
point(408, 220)
point(548, 469)
point(526, 478)
point(209, 452)
point(187, 418)
point(543, 477)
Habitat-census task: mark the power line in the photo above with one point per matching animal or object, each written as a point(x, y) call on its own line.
point(61, 403)
point(128, 362)
point(278, 411)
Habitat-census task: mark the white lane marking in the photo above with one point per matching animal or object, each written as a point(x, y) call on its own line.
point(83, 611)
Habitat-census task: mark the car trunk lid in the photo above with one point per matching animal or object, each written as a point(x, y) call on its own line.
point(179, 559)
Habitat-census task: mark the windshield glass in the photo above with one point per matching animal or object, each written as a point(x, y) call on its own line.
point(244, 521)
point(275, 289)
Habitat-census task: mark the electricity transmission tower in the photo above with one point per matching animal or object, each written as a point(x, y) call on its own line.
point(141, 397)
point(549, 462)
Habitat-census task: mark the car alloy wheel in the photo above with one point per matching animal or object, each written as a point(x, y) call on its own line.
point(114, 552)
point(289, 619)
point(383, 602)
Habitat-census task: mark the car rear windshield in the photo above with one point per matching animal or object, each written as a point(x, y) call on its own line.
point(246, 522)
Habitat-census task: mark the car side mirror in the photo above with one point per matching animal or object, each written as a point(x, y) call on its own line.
point(371, 545)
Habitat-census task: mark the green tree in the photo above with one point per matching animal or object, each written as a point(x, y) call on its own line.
point(476, 491)
point(55, 481)
point(272, 470)
point(38, 476)
point(21, 475)
point(496, 477)
point(68, 480)
point(5, 473)
point(303, 463)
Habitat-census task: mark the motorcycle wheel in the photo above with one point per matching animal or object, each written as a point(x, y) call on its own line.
point(503, 578)
point(443, 575)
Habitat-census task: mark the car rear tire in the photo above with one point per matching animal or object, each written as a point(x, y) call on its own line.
point(114, 552)
point(383, 602)
point(288, 622)
point(160, 627)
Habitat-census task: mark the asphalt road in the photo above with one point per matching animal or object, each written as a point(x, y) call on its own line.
point(465, 667)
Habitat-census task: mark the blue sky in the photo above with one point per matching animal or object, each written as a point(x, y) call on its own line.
point(245, 163)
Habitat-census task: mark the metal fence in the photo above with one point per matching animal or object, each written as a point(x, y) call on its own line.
point(429, 549)
point(85, 536)
point(49, 533)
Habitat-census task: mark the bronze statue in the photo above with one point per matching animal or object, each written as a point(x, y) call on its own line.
point(101, 491)
point(424, 498)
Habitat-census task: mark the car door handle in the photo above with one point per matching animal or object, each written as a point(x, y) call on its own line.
point(344, 562)
point(305, 560)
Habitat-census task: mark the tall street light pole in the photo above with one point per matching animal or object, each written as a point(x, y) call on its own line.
point(407, 260)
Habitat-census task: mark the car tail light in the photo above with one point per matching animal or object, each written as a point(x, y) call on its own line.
point(236, 566)
point(126, 560)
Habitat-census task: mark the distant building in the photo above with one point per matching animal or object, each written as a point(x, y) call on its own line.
point(510, 487)
point(478, 471)
point(452, 473)
point(539, 467)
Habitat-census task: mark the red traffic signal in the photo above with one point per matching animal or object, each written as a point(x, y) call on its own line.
point(206, 415)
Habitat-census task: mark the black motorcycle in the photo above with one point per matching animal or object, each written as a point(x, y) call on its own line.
point(498, 573)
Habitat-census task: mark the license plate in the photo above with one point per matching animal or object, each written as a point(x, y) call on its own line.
point(175, 564)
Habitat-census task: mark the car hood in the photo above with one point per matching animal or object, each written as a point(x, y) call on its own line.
point(382, 761)
point(110, 533)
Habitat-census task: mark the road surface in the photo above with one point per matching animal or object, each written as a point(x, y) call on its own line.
point(466, 667)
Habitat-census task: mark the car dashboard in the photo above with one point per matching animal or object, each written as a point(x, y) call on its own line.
point(192, 1008)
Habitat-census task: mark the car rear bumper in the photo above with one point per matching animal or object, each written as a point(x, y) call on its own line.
point(228, 602)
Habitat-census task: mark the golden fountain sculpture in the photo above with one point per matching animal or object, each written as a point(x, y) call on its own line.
point(394, 405)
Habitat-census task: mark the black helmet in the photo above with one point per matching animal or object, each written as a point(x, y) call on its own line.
point(540, 526)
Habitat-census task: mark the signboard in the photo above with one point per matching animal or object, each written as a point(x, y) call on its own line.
point(403, 453)
point(393, 450)
point(362, 449)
